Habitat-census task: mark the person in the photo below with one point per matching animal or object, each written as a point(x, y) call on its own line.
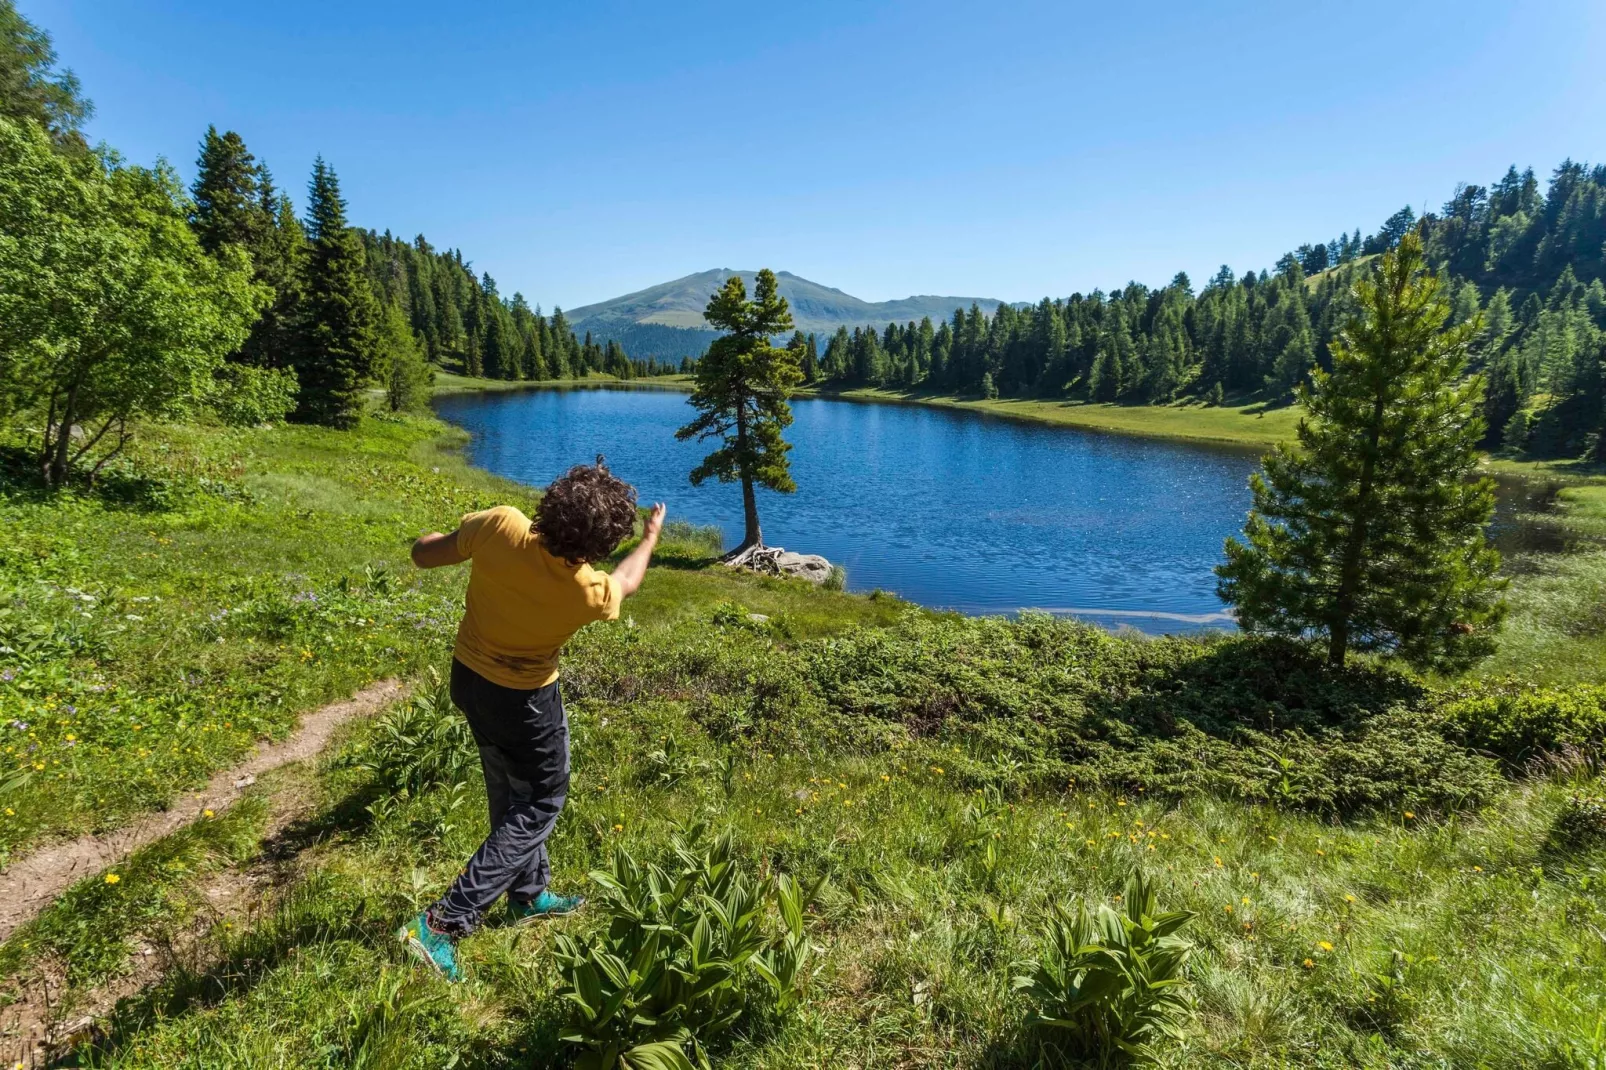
point(531, 586)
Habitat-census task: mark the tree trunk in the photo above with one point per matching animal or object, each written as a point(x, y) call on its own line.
point(752, 535)
point(56, 473)
point(1349, 576)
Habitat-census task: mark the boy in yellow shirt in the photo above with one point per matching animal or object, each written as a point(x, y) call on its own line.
point(531, 587)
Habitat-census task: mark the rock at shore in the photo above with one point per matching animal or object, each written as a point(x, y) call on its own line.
point(775, 561)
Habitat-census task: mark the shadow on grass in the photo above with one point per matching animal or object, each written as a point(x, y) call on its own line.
point(218, 966)
point(118, 485)
point(1262, 685)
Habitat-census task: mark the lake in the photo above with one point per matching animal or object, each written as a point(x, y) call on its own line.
point(951, 509)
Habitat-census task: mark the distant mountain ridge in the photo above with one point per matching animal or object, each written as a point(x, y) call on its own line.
point(666, 320)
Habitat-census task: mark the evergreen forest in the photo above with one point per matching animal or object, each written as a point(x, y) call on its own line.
point(1526, 262)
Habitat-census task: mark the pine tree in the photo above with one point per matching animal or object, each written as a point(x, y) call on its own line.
point(279, 262)
point(228, 207)
point(742, 386)
point(1370, 533)
point(1104, 381)
point(338, 336)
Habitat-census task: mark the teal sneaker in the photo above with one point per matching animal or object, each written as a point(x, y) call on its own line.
point(546, 905)
point(435, 949)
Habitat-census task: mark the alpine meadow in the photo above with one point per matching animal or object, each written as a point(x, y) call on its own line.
point(773, 816)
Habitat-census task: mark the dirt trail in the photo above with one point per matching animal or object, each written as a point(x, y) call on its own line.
point(32, 882)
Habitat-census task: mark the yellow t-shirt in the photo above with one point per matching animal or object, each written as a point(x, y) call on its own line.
point(523, 603)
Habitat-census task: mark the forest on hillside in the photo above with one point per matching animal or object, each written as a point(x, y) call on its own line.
point(1529, 262)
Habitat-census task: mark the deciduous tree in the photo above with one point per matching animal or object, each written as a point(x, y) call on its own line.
point(110, 310)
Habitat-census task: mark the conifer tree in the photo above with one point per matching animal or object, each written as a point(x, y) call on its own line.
point(1370, 534)
point(405, 375)
point(742, 386)
point(278, 262)
point(228, 207)
point(338, 337)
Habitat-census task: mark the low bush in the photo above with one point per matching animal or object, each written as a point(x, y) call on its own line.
point(1580, 826)
point(1109, 985)
point(689, 953)
point(423, 743)
point(1520, 724)
point(1040, 702)
point(244, 396)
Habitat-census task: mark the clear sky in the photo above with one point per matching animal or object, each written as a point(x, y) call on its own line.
point(578, 151)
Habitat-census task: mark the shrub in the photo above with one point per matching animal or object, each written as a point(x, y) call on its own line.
point(689, 952)
point(1518, 724)
point(244, 396)
point(1580, 826)
point(1110, 985)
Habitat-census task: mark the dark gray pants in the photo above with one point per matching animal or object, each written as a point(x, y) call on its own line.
point(523, 737)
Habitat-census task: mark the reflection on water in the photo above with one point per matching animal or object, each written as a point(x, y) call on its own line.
point(950, 509)
point(1525, 520)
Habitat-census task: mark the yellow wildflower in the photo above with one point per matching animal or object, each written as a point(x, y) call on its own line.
point(112, 878)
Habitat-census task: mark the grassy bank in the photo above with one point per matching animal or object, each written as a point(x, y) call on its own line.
point(1228, 425)
point(1252, 425)
point(1556, 629)
point(1381, 877)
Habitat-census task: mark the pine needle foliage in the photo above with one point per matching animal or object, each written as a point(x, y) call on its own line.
point(742, 388)
point(1369, 533)
point(338, 348)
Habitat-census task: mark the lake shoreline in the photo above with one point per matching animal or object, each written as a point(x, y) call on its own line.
point(1222, 427)
point(1193, 424)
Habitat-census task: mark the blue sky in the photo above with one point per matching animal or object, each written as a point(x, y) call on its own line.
point(582, 150)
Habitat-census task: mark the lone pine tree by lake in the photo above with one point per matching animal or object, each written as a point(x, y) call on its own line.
point(815, 828)
point(742, 384)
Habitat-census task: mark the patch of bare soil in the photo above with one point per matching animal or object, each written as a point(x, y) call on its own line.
point(38, 1027)
point(30, 883)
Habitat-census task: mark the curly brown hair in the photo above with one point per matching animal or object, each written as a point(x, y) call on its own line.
point(585, 513)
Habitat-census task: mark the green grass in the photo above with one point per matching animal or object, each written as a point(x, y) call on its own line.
point(921, 926)
point(226, 582)
point(1556, 628)
point(1252, 425)
point(953, 778)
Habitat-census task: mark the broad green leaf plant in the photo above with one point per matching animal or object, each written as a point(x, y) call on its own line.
point(689, 952)
point(1109, 985)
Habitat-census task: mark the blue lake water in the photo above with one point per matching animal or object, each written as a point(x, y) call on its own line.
point(950, 509)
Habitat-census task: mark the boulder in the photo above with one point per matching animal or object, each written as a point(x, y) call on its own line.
point(774, 561)
point(811, 567)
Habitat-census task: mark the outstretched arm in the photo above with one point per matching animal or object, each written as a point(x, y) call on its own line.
point(630, 572)
point(434, 550)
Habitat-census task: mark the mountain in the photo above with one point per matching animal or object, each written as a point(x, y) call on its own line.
point(666, 320)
